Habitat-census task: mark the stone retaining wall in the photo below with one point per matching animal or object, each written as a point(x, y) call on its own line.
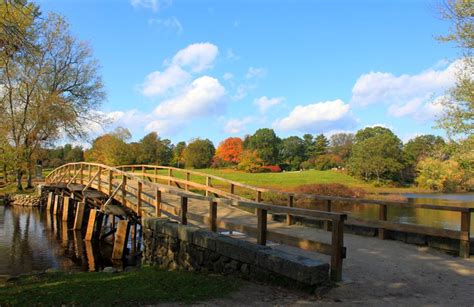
point(25, 200)
point(174, 246)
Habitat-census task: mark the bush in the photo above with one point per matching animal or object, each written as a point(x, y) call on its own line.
point(437, 175)
point(270, 169)
point(328, 161)
point(331, 189)
point(249, 162)
point(306, 165)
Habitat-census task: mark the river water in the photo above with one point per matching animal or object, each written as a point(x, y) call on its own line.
point(31, 240)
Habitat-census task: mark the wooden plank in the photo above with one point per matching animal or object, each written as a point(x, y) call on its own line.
point(289, 217)
point(261, 226)
point(49, 203)
point(94, 225)
point(121, 239)
point(465, 242)
point(337, 244)
point(80, 211)
point(208, 185)
point(327, 224)
point(57, 204)
point(158, 203)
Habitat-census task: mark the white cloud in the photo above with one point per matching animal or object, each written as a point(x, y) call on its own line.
point(264, 103)
point(235, 125)
point(316, 117)
point(255, 72)
point(154, 5)
point(205, 95)
point(171, 23)
point(197, 57)
point(406, 95)
point(158, 83)
point(227, 76)
point(163, 126)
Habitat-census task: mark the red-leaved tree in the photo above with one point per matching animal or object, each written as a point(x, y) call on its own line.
point(230, 150)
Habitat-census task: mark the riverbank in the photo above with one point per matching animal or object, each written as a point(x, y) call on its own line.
point(147, 285)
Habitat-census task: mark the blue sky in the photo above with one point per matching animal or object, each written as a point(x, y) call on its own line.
point(214, 69)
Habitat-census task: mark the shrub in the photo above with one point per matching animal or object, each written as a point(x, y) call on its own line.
point(249, 162)
point(306, 165)
point(437, 175)
point(270, 169)
point(327, 161)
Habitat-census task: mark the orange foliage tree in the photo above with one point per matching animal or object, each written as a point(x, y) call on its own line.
point(230, 150)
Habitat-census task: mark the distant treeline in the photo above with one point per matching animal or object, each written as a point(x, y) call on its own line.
point(373, 154)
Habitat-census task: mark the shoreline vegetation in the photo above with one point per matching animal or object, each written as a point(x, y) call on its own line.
point(145, 285)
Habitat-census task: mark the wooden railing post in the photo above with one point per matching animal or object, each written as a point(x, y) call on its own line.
point(155, 172)
point(139, 198)
point(110, 183)
point(382, 217)
point(289, 217)
point(143, 171)
point(89, 172)
point(82, 174)
point(100, 179)
point(327, 224)
point(158, 202)
point(337, 244)
point(124, 191)
point(464, 243)
point(232, 188)
point(184, 210)
point(208, 184)
point(75, 172)
point(170, 174)
point(187, 179)
point(213, 216)
point(261, 226)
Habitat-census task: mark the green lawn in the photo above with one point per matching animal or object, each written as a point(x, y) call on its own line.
point(148, 285)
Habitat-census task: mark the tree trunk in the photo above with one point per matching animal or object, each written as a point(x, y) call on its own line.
point(19, 175)
point(29, 182)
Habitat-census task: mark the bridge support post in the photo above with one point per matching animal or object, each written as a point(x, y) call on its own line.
point(57, 204)
point(261, 226)
point(289, 217)
point(121, 239)
point(465, 243)
point(213, 216)
point(158, 203)
point(49, 204)
point(67, 208)
point(327, 224)
point(80, 211)
point(94, 225)
point(382, 217)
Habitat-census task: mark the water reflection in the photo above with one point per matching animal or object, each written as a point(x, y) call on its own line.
point(32, 240)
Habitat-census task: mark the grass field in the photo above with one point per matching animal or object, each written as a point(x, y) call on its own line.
point(148, 285)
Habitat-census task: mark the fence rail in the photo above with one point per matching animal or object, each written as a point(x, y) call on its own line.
point(155, 174)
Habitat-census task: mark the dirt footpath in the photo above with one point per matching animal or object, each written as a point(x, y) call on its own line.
point(376, 273)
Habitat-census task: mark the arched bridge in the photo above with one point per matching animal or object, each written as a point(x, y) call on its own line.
point(133, 192)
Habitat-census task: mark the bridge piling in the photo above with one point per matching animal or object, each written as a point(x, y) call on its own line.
point(67, 208)
point(121, 239)
point(80, 212)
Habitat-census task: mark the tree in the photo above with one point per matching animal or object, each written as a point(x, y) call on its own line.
point(250, 162)
point(378, 156)
point(421, 147)
point(230, 150)
point(445, 176)
point(49, 91)
point(369, 132)
point(153, 150)
point(265, 143)
point(111, 149)
point(458, 118)
point(76, 154)
point(341, 144)
point(308, 145)
point(292, 152)
point(178, 154)
point(321, 144)
point(199, 153)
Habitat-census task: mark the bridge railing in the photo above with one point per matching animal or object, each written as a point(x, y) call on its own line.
point(190, 179)
point(142, 194)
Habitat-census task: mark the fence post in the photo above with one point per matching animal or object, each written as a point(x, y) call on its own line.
point(187, 179)
point(382, 217)
point(261, 226)
point(99, 178)
point(464, 243)
point(184, 210)
point(139, 198)
point(82, 173)
point(143, 172)
point(213, 216)
point(328, 209)
point(289, 217)
point(337, 243)
point(155, 172)
point(208, 184)
point(232, 188)
point(124, 191)
point(110, 183)
point(158, 202)
point(170, 174)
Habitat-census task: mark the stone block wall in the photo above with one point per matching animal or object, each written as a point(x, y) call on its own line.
point(174, 246)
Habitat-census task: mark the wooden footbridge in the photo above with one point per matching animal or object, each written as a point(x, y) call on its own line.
point(95, 194)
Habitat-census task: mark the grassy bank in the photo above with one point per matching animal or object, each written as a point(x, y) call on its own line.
point(148, 285)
